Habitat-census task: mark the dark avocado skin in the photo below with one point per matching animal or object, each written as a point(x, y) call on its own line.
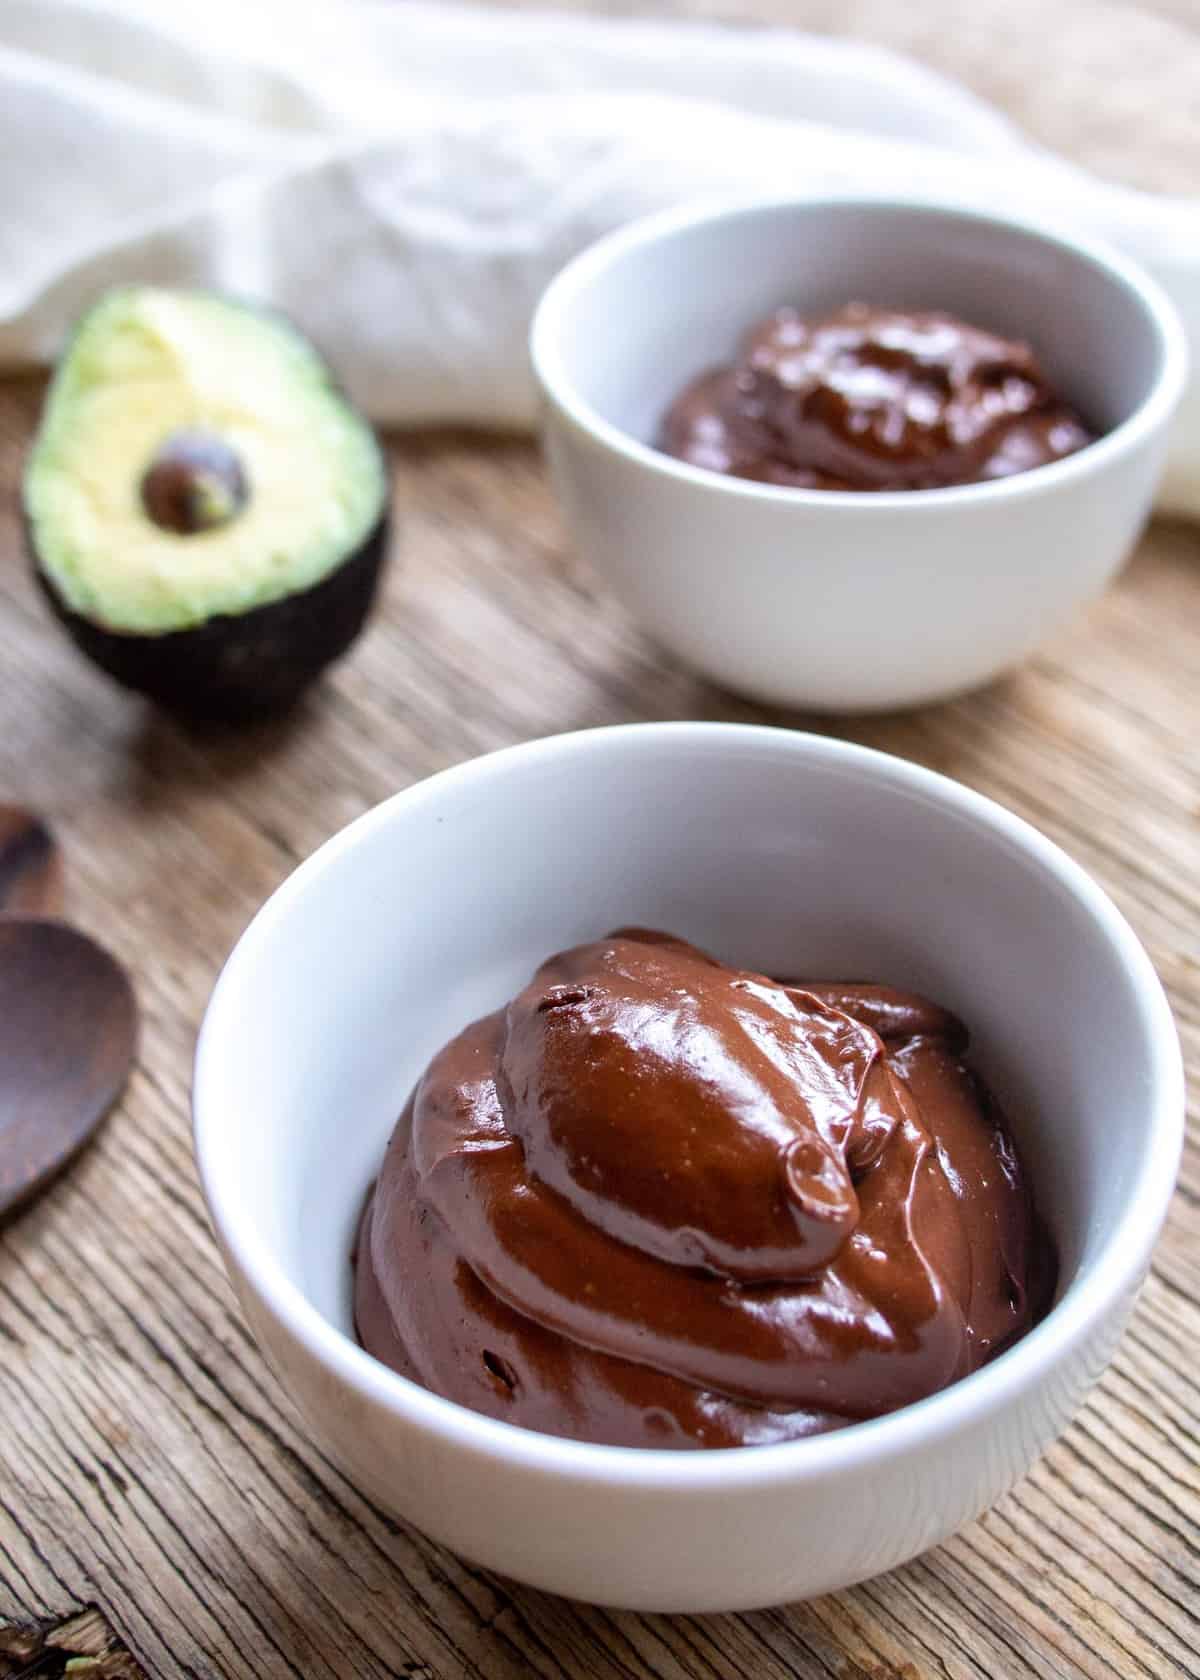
point(238, 666)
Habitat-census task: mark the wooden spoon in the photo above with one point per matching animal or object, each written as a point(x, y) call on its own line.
point(68, 1034)
point(31, 879)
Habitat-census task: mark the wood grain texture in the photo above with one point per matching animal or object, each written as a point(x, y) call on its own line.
point(148, 1463)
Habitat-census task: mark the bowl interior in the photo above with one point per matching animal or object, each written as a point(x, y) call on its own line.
point(778, 851)
point(630, 323)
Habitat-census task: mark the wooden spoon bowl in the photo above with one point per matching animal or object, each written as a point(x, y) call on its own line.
point(68, 1036)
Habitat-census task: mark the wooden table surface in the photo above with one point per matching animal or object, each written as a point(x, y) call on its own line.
point(148, 1463)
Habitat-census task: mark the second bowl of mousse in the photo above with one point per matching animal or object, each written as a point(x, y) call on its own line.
point(854, 454)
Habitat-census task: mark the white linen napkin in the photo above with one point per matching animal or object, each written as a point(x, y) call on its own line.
point(403, 178)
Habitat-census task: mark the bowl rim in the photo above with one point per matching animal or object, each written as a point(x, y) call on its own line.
point(547, 331)
point(1087, 1301)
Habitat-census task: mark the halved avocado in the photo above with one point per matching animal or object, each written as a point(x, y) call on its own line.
point(207, 513)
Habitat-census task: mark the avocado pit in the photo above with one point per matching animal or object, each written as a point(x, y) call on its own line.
point(195, 483)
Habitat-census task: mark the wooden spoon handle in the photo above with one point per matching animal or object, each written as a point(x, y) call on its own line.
point(31, 876)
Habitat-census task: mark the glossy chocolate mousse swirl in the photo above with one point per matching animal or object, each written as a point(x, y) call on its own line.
point(873, 399)
point(661, 1202)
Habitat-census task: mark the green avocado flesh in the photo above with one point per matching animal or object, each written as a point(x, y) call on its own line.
point(146, 369)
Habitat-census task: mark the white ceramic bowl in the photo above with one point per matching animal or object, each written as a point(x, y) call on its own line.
point(836, 600)
point(781, 850)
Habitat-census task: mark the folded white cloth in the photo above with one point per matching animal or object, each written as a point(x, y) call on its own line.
point(404, 178)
